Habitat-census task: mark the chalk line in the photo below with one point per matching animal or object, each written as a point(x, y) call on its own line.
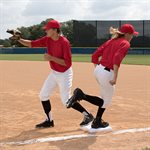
point(63, 138)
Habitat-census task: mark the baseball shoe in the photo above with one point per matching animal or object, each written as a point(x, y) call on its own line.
point(77, 96)
point(87, 120)
point(99, 123)
point(45, 124)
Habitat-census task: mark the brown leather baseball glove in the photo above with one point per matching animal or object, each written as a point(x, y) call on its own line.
point(16, 34)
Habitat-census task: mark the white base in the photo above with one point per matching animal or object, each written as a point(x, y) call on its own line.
point(91, 130)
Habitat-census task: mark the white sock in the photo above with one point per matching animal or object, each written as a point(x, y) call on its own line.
point(85, 113)
point(50, 116)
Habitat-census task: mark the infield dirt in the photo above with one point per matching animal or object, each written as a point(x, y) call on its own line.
point(20, 108)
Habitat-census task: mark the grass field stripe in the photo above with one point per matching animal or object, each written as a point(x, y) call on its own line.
point(63, 138)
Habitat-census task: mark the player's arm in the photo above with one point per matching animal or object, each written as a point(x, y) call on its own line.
point(34, 43)
point(118, 57)
point(95, 65)
point(42, 42)
point(98, 53)
point(25, 42)
point(16, 35)
point(96, 56)
point(116, 69)
point(66, 60)
point(59, 61)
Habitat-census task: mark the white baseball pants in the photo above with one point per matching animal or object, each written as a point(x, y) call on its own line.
point(106, 89)
point(61, 79)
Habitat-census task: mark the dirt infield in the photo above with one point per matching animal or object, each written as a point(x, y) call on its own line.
point(20, 108)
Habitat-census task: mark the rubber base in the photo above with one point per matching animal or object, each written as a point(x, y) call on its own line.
point(92, 130)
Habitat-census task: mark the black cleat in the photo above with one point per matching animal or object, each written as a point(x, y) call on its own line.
point(87, 120)
point(77, 96)
point(99, 123)
point(45, 124)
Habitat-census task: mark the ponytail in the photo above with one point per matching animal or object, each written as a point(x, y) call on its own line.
point(115, 33)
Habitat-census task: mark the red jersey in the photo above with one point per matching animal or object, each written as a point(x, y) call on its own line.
point(60, 49)
point(112, 52)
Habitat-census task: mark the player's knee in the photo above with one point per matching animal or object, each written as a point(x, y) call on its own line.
point(43, 97)
point(106, 103)
point(64, 98)
point(64, 101)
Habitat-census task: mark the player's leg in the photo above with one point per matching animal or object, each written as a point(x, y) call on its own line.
point(88, 117)
point(107, 90)
point(107, 97)
point(65, 84)
point(46, 91)
point(80, 95)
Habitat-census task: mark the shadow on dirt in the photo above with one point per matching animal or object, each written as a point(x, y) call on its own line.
point(75, 144)
point(37, 133)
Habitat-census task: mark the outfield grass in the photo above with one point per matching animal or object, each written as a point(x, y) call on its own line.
point(129, 59)
point(137, 60)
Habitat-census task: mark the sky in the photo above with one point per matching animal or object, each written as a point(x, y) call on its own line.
point(17, 13)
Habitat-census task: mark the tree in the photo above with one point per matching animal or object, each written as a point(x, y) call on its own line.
point(67, 30)
point(36, 31)
point(5, 42)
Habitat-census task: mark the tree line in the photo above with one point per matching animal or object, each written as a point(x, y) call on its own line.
point(36, 31)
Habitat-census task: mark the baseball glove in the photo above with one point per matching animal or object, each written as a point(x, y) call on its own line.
point(16, 34)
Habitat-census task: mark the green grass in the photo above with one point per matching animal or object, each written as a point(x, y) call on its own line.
point(129, 59)
point(81, 58)
point(137, 60)
point(23, 57)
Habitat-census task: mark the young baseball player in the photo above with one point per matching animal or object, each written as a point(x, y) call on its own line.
point(107, 59)
point(59, 57)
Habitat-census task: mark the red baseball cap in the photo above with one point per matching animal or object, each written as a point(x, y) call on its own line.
point(128, 28)
point(52, 24)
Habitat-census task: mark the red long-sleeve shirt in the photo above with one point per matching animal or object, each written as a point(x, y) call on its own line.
point(112, 52)
point(60, 49)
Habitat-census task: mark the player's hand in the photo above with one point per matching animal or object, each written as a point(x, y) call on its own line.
point(47, 57)
point(112, 82)
point(95, 65)
point(16, 34)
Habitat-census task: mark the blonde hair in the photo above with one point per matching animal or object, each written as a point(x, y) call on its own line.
point(115, 33)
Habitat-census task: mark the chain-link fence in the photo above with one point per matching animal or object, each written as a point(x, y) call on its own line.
point(94, 33)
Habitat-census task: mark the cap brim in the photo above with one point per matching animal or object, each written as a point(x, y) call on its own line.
point(136, 33)
point(45, 28)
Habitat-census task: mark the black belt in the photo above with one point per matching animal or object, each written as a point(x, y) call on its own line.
point(107, 69)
